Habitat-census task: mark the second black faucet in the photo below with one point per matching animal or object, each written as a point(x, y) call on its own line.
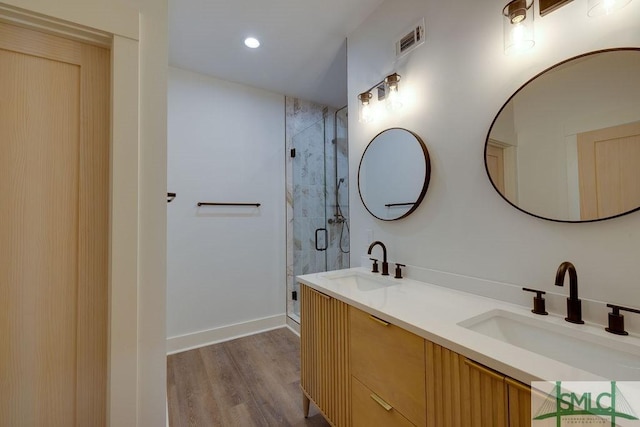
point(574, 304)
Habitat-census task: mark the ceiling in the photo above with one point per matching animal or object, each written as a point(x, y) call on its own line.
point(303, 43)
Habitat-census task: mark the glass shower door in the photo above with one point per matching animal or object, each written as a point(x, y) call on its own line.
point(310, 235)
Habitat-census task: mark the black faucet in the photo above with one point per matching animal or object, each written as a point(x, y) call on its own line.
point(385, 264)
point(574, 305)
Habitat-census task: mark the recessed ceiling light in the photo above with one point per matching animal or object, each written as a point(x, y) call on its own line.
point(251, 42)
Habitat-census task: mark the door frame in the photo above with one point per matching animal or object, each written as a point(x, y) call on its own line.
point(510, 174)
point(117, 27)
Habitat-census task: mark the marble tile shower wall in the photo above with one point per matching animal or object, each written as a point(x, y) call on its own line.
point(309, 203)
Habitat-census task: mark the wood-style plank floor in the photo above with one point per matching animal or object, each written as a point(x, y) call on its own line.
point(251, 381)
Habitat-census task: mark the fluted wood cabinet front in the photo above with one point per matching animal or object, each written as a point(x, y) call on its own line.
point(488, 397)
point(461, 392)
point(519, 403)
point(447, 387)
point(324, 362)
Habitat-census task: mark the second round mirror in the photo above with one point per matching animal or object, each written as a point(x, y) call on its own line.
point(566, 146)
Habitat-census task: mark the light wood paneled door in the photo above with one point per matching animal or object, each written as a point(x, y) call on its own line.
point(608, 170)
point(54, 195)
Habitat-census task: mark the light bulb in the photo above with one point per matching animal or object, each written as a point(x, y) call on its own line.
point(252, 42)
point(394, 100)
point(608, 6)
point(519, 40)
point(366, 114)
point(517, 35)
point(605, 7)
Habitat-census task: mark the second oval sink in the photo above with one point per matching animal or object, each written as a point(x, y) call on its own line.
point(608, 357)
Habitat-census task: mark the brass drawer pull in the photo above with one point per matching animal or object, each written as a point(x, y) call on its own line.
point(484, 370)
point(375, 319)
point(381, 402)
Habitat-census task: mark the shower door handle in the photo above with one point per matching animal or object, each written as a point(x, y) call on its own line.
point(326, 238)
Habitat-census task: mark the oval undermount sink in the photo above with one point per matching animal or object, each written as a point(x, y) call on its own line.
point(580, 347)
point(360, 281)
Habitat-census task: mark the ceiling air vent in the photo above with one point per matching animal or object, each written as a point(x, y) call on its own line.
point(411, 39)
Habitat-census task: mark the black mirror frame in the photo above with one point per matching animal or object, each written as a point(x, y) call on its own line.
point(486, 144)
point(425, 185)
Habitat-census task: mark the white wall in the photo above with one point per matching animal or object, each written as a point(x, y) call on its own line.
point(456, 82)
point(226, 265)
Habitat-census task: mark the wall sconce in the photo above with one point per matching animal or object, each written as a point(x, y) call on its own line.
point(388, 90)
point(605, 7)
point(392, 92)
point(518, 26)
point(365, 111)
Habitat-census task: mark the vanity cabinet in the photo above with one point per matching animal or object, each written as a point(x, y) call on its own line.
point(388, 373)
point(324, 355)
point(461, 392)
point(361, 370)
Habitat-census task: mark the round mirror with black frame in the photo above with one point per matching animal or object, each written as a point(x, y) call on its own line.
point(565, 146)
point(394, 174)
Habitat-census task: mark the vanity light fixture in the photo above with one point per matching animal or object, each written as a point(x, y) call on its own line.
point(605, 7)
point(518, 26)
point(388, 90)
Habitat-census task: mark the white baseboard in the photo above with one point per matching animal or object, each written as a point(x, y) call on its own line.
point(225, 333)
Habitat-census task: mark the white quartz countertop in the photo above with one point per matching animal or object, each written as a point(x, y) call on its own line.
point(434, 313)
